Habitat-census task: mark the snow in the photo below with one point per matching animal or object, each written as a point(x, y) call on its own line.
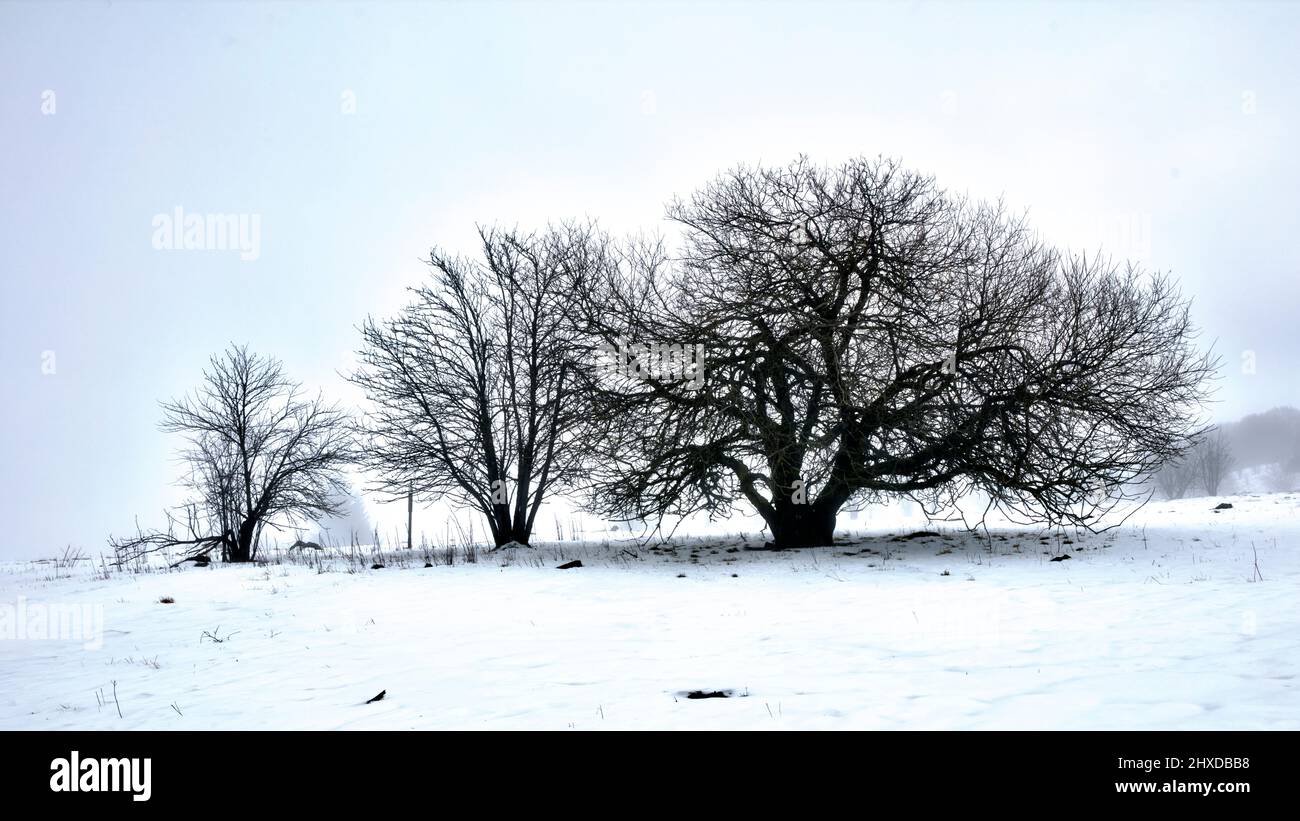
point(1182, 618)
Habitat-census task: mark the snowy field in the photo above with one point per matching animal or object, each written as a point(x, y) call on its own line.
point(1181, 619)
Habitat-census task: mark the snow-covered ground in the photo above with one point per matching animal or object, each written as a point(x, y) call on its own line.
point(1183, 618)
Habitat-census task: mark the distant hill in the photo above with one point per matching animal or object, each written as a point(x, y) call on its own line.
point(1268, 438)
point(1265, 450)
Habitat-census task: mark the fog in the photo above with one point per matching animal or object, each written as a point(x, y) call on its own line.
point(331, 145)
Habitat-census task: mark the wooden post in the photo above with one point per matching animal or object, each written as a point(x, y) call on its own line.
point(410, 512)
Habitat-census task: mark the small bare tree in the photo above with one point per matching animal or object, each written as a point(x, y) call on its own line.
point(471, 386)
point(1175, 477)
point(1213, 461)
point(260, 454)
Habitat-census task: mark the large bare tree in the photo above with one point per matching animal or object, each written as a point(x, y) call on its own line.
point(471, 386)
point(864, 334)
point(260, 454)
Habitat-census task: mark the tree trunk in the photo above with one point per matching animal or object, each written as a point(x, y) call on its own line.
point(504, 530)
point(242, 549)
point(509, 535)
point(802, 526)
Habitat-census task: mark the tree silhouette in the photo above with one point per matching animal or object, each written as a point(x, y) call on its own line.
point(865, 334)
point(260, 454)
point(471, 386)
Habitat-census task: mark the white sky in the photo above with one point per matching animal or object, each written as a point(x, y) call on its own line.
point(1165, 132)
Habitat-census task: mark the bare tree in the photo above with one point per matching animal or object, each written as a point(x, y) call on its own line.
point(471, 386)
point(1176, 477)
point(864, 335)
point(1213, 460)
point(260, 455)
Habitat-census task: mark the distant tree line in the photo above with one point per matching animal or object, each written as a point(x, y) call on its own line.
point(1266, 445)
